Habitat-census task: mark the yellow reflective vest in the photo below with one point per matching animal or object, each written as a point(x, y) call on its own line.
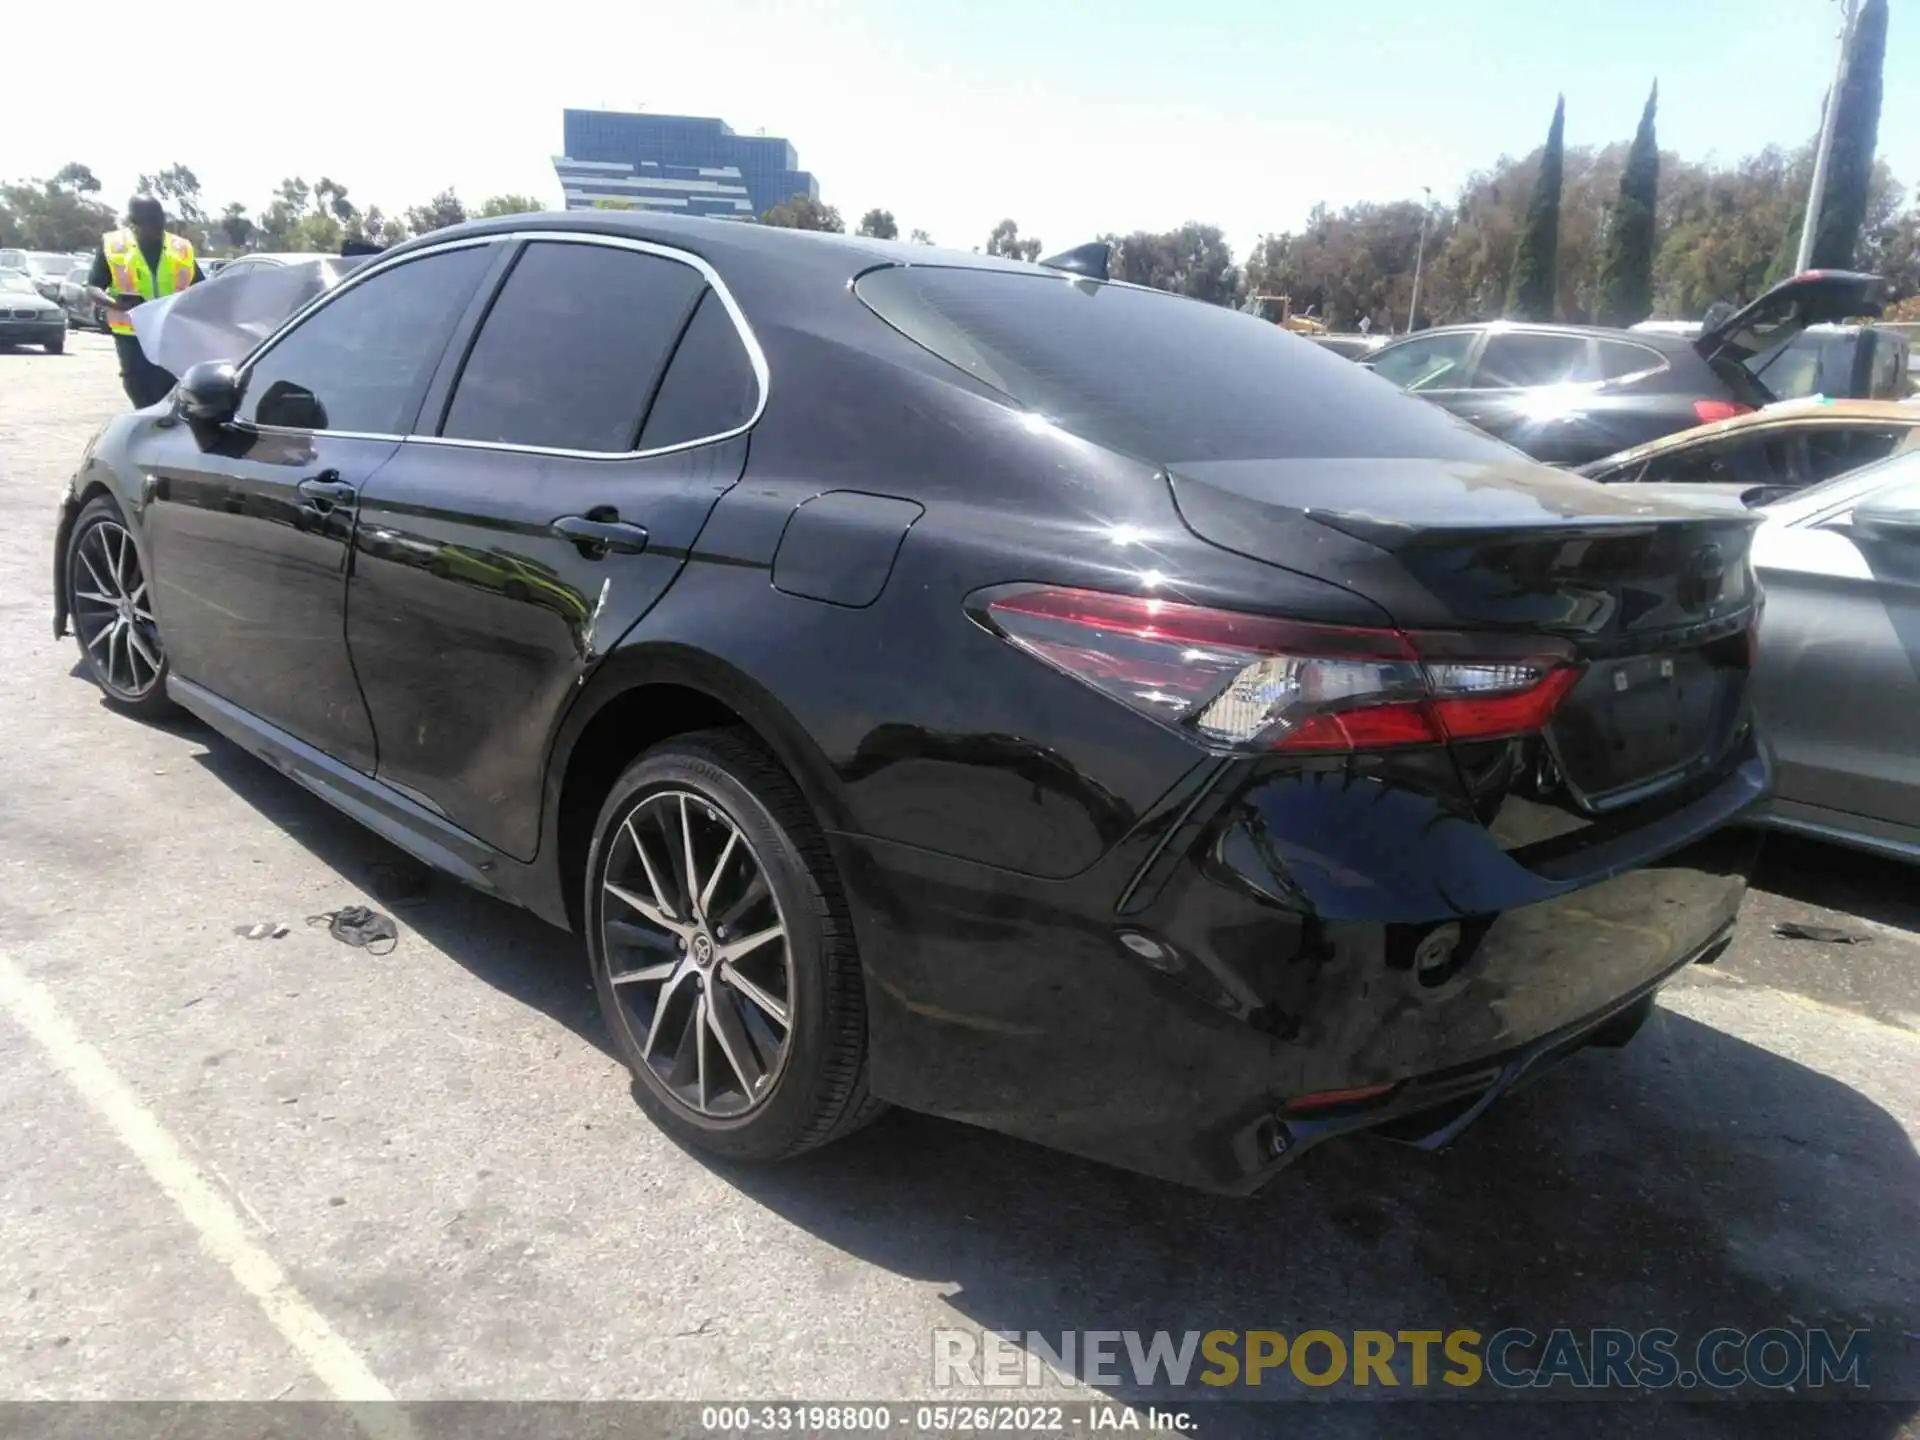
point(132, 276)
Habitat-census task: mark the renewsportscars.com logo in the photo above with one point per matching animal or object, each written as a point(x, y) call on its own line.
point(1273, 1361)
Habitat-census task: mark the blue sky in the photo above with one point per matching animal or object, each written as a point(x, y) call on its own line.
point(1071, 117)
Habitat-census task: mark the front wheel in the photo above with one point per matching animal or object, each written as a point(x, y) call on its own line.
point(58, 344)
point(722, 952)
point(112, 609)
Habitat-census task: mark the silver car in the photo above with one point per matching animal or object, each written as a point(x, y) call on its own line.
point(1837, 681)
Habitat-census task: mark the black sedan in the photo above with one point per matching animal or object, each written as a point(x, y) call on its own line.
point(1570, 394)
point(935, 679)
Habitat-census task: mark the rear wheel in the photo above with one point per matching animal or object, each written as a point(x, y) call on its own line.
point(722, 953)
point(112, 609)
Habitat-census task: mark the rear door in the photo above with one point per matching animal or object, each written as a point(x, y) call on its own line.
point(568, 454)
point(248, 523)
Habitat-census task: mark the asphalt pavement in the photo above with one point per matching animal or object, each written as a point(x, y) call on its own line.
point(285, 1168)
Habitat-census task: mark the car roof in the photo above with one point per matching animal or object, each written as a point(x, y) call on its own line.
point(1814, 410)
point(719, 241)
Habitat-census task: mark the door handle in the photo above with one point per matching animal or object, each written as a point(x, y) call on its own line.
point(599, 537)
point(326, 488)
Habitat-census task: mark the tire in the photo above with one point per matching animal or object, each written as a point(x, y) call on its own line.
point(119, 646)
point(811, 1081)
point(57, 345)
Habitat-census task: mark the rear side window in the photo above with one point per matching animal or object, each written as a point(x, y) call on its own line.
point(1517, 361)
point(1620, 358)
point(572, 348)
point(710, 388)
point(1834, 450)
point(1160, 377)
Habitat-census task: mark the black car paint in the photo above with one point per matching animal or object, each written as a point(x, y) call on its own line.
point(1076, 925)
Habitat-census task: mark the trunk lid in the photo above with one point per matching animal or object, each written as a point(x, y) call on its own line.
point(1759, 332)
point(1654, 596)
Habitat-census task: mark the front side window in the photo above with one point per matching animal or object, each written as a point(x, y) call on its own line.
point(1517, 361)
point(1426, 362)
point(360, 362)
point(573, 348)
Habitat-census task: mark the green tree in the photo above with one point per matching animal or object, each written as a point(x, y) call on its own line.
point(1626, 275)
point(496, 205)
point(1856, 131)
point(1193, 260)
point(235, 228)
point(880, 225)
point(1007, 240)
point(76, 177)
point(45, 215)
point(438, 213)
point(1534, 286)
point(608, 202)
point(803, 212)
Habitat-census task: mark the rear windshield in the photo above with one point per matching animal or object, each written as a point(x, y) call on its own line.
point(1160, 377)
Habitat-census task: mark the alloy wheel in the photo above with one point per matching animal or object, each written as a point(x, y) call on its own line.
point(112, 610)
point(697, 953)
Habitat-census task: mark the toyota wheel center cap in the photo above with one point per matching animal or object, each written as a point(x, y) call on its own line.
point(702, 950)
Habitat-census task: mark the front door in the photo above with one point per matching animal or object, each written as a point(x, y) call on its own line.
point(571, 463)
point(249, 523)
point(1838, 682)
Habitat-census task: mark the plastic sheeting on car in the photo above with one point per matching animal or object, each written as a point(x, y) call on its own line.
point(225, 317)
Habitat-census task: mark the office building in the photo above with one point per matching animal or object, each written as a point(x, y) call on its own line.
point(676, 164)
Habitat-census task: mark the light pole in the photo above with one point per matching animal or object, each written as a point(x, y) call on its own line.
point(1816, 192)
point(1420, 254)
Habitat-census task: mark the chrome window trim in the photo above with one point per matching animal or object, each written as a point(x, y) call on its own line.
point(756, 357)
point(244, 373)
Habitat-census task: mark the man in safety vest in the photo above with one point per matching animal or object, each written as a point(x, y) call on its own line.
point(131, 267)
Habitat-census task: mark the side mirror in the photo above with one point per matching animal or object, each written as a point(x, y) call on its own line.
point(209, 393)
point(1888, 520)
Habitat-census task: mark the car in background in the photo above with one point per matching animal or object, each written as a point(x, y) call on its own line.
point(1767, 455)
point(45, 268)
point(1837, 679)
point(27, 317)
point(1349, 347)
point(1069, 706)
point(76, 298)
point(1570, 394)
point(264, 260)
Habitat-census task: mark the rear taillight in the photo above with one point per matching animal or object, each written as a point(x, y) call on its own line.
point(1707, 411)
point(1255, 682)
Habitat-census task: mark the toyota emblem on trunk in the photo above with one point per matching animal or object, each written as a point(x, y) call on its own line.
point(1703, 578)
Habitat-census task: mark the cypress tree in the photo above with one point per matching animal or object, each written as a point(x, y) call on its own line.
point(1531, 291)
point(1626, 274)
point(1856, 130)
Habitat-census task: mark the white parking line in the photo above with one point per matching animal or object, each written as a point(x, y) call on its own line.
point(223, 1235)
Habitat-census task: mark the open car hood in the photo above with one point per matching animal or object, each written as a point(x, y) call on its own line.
point(1813, 297)
point(226, 316)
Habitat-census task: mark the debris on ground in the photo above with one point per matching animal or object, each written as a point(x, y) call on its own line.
point(361, 927)
point(1825, 934)
point(262, 930)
